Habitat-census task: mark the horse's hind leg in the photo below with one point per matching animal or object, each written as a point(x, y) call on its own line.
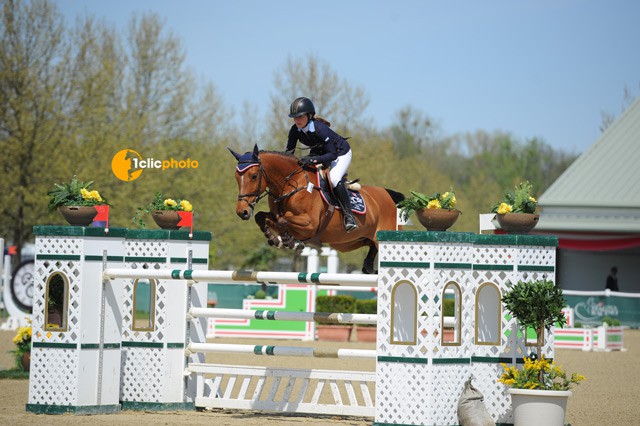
point(369, 261)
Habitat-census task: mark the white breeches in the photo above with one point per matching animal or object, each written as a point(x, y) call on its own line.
point(339, 167)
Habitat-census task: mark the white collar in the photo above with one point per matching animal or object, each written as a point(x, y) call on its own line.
point(308, 128)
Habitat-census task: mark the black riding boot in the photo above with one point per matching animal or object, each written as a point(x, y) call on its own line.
point(342, 195)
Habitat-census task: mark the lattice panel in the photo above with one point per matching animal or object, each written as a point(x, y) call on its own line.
point(58, 245)
point(537, 255)
point(500, 278)
point(72, 271)
point(496, 399)
point(53, 378)
point(392, 276)
point(158, 334)
point(146, 248)
point(142, 375)
point(407, 252)
point(445, 276)
point(403, 393)
point(450, 253)
point(493, 255)
point(448, 380)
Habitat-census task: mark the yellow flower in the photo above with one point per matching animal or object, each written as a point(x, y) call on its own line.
point(532, 199)
point(95, 195)
point(452, 202)
point(186, 206)
point(434, 204)
point(85, 194)
point(504, 208)
point(170, 203)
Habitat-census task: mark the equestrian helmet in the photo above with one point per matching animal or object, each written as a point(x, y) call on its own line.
point(301, 106)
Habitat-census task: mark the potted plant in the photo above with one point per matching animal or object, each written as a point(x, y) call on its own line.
point(163, 211)
point(516, 211)
point(366, 332)
point(436, 212)
point(22, 340)
point(76, 201)
point(540, 390)
point(328, 330)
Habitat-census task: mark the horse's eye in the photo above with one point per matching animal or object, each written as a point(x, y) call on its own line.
point(254, 177)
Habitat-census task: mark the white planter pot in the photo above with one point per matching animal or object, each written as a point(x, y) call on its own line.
point(538, 407)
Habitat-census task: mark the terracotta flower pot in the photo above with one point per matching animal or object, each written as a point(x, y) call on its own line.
point(166, 219)
point(25, 361)
point(333, 333)
point(366, 334)
point(78, 215)
point(518, 223)
point(437, 219)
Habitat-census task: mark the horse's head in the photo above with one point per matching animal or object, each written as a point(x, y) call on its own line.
point(251, 182)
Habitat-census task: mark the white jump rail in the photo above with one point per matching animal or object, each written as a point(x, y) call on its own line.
point(333, 318)
point(234, 277)
point(269, 350)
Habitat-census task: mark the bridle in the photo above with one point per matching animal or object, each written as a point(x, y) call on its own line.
point(257, 194)
point(276, 199)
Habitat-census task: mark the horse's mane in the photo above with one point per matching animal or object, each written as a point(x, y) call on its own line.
point(281, 153)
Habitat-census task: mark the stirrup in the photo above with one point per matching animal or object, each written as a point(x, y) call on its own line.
point(350, 224)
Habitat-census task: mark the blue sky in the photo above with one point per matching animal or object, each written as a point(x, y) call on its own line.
point(544, 68)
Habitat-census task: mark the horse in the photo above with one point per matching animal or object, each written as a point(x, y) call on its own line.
point(299, 215)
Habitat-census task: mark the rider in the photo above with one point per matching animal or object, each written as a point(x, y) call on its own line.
point(327, 147)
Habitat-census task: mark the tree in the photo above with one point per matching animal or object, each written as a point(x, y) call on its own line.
point(413, 133)
point(34, 88)
point(335, 99)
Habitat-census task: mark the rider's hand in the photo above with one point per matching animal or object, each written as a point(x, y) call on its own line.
point(307, 160)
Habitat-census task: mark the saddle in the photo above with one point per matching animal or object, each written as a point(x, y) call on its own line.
point(358, 205)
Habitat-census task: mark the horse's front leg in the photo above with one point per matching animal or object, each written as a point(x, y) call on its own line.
point(267, 223)
point(298, 224)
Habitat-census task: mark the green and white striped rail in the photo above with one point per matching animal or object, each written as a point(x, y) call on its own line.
point(234, 277)
point(260, 314)
point(296, 351)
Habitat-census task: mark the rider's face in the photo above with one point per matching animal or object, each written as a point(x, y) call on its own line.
point(301, 121)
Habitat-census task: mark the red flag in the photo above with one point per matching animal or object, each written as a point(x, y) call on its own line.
point(186, 219)
point(102, 216)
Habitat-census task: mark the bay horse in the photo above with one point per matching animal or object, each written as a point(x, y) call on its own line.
point(298, 214)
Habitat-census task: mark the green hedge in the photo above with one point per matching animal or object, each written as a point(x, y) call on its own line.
point(336, 304)
point(366, 306)
point(449, 308)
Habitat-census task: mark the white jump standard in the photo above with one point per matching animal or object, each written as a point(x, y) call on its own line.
point(106, 356)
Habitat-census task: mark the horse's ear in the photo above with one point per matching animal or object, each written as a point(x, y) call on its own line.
point(256, 152)
point(235, 154)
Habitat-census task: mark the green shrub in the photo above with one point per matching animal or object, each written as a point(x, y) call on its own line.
point(611, 322)
point(577, 324)
point(260, 294)
point(335, 304)
point(449, 308)
point(367, 306)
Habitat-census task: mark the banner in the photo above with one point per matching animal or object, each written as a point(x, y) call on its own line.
point(591, 307)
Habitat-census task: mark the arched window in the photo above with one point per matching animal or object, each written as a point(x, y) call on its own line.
point(57, 297)
point(451, 315)
point(488, 314)
point(144, 302)
point(404, 313)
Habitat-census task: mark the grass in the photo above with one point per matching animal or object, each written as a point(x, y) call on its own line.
point(14, 374)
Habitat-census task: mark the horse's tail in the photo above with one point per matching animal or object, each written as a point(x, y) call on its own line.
point(395, 195)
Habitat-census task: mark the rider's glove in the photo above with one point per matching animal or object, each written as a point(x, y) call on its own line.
point(306, 160)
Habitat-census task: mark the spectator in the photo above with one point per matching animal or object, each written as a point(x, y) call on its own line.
point(612, 280)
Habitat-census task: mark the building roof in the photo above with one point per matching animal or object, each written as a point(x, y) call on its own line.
point(600, 191)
